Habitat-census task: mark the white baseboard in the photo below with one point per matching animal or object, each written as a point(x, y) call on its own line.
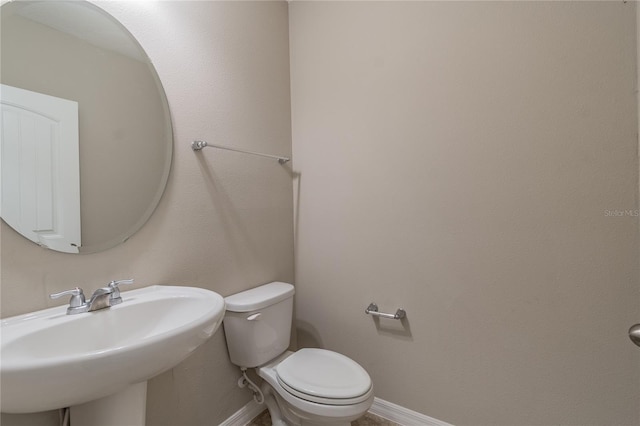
point(243, 416)
point(402, 416)
point(381, 408)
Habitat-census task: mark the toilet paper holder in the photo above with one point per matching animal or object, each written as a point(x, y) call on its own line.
point(372, 309)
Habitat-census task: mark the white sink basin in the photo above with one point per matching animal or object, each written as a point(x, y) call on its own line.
point(50, 360)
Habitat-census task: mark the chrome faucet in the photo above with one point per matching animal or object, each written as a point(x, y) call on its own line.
point(102, 298)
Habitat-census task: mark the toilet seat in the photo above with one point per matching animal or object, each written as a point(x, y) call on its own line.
point(324, 377)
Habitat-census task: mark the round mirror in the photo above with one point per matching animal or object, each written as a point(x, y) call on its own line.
point(83, 184)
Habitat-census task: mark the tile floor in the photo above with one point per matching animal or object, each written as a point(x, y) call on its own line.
point(367, 420)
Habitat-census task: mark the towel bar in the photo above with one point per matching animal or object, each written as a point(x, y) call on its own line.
point(198, 145)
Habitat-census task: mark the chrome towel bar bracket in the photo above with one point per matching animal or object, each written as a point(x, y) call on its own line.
point(372, 309)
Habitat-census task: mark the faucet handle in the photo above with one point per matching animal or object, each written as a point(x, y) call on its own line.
point(119, 282)
point(115, 296)
point(77, 297)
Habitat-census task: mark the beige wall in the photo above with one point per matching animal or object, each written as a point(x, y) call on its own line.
point(458, 159)
point(224, 222)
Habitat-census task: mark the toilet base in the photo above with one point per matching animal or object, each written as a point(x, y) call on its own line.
point(284, 415)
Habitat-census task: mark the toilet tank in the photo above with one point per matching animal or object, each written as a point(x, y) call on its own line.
point(257, 323)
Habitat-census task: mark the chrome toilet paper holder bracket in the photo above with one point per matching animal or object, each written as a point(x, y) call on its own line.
point(372, 309)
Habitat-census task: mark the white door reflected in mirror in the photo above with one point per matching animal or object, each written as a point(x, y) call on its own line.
point(40, 173)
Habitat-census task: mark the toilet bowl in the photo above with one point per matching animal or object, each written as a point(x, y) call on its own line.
point(307, 387)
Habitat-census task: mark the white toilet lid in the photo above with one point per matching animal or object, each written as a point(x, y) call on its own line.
point(319, 374)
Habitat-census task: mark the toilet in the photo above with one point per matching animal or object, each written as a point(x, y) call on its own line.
point(306, 387)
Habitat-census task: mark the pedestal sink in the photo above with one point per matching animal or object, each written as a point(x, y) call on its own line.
point(50, 360)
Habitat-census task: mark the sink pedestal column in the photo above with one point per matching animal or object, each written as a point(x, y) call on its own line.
point(127, 407)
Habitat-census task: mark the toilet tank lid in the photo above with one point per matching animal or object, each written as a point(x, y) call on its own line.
point(259, 297)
